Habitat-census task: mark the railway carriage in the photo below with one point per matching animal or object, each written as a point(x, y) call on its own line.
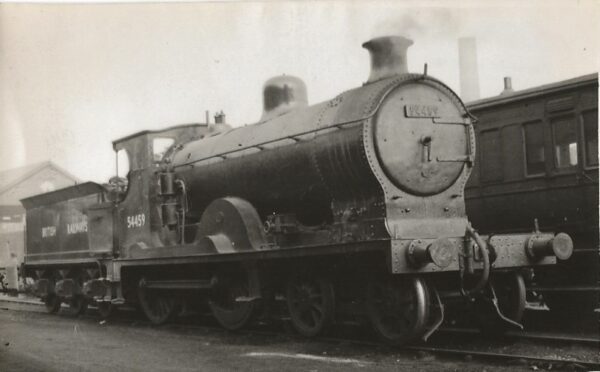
point(538, 160)
point(353, 207)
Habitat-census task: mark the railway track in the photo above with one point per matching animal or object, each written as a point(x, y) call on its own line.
point(531, 335)
point(448, 342)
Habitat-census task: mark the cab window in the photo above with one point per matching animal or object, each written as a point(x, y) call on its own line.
point(122, 163)
point(590, 134)
point(565, 142)
point(535, 156)
point(160, 147)
point(117, 185)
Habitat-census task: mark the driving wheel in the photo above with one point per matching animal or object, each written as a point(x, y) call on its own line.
point(105, 309)
point(77, 305)
point(310, 302)
point(230, 303)
point(52, 303)
point(398, 308)
point(157, 305)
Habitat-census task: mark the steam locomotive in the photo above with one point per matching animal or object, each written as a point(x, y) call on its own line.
point(353, 207)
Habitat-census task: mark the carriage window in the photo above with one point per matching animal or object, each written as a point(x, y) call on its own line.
point(160, 147)
point(534, 148)
point(491, 162)
point(590, 132)
point(565, 142)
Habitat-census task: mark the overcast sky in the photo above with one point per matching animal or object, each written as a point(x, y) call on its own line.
point(74, 77)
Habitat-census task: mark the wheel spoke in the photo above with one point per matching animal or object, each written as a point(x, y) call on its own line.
point(315, 317)
point(230, 313)
point(318, 308)
point(393, 308)
point(310, 304)
point(162, 307)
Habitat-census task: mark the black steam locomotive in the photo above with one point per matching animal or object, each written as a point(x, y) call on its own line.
point(353, 207)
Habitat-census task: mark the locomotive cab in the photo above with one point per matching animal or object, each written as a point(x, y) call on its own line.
point(141, 220)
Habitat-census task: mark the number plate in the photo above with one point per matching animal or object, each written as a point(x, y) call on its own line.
point(137, 220)
point(421, 111)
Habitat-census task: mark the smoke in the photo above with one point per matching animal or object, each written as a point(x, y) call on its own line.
point(422, 23)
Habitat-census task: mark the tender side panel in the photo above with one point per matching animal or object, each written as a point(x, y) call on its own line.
point(101, 227)
point(57, 231)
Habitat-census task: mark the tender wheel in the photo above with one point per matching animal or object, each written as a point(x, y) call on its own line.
point(310, 303)
point(511, 294)
point(52, 303)
point(77, 305)
point(105, 309)
point(225, 303)
point(158, 306)
point(398, 308)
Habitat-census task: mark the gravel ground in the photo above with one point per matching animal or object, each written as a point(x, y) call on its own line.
point(31, 341)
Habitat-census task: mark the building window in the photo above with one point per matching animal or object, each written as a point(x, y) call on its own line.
point(590, 134)
point(491, 157)
point(565, 142)
point(534, 148)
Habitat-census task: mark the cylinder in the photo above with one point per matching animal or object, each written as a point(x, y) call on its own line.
point(439, 252)
point(417, 253)
point(166, 184)
point(169, 214)
point(560, 246)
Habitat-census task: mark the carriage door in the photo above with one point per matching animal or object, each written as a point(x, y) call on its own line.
point(566, 195)
point(589, 170)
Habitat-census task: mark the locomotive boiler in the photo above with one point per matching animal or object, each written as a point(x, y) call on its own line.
point(351, 207)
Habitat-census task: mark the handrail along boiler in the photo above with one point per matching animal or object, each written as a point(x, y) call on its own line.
point(351, 207)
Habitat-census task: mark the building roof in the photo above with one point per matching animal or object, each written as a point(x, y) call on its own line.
point(532, 92)
point(14, 176)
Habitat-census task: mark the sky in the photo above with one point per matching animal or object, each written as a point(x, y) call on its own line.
point(74, 77)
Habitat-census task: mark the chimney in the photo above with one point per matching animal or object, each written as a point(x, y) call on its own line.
point(282, 94)
point(469, 76)
point(507, 86)
point(220, 117)
point(388, 56)
point(207, 115)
